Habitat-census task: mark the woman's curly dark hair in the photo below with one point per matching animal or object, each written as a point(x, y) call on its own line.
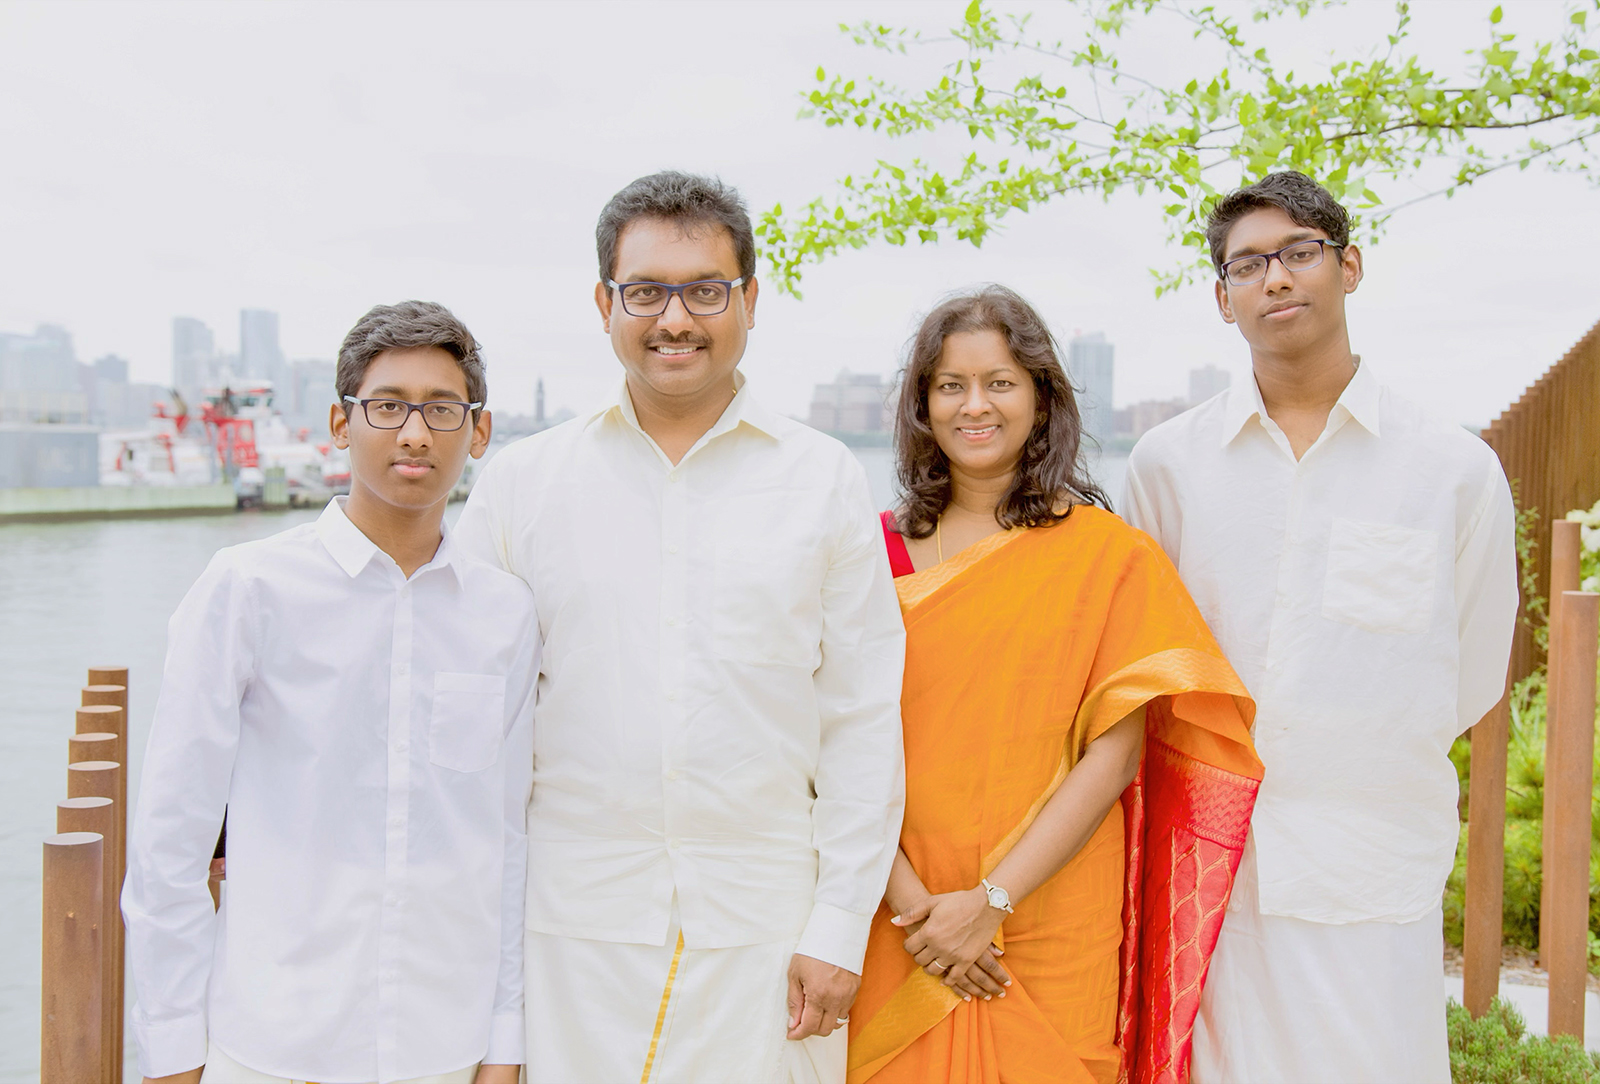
point(1050, 477)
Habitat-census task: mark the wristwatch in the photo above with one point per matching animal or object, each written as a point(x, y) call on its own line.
point(998, 897)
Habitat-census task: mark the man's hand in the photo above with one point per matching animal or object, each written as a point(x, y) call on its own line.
point(820, 996)
point(497, 1074)
point(191, 1077)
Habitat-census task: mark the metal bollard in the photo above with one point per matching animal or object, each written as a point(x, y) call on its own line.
point(1568, 785)
point(71, 1041)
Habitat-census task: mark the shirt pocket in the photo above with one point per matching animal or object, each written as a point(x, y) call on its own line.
point(468, 721)
point(1380, 577)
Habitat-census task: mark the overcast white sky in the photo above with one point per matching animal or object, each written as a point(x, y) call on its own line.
point(194, 159)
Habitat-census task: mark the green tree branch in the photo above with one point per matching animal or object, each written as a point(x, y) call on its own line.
point(1083, 124)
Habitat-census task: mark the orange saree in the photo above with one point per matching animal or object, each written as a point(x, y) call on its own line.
point(1020, 651)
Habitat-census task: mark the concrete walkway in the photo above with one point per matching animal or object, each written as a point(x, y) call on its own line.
point(1533, 1003)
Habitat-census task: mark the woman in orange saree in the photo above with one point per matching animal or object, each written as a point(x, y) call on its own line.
point(1079, 770)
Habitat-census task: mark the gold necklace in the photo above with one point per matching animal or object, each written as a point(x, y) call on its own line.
point(938, 537)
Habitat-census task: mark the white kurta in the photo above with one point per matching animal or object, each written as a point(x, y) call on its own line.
point(718, 720)
point(1366, 594)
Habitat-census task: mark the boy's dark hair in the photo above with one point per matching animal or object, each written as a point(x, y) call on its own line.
point(685, 198)
point(408, 326)
point(1296, 195)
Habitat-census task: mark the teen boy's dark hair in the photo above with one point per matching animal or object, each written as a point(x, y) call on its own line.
point(685, 198)
point(408, 326)
point(1305, 201)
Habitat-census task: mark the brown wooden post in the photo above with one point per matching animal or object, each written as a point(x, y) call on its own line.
point(1568, 785)
point(105, 710)
point(1486, 858)
point(71, 1031)
point(97, 815)
point(110, 675)
point(82, 747)
point(1566, 544)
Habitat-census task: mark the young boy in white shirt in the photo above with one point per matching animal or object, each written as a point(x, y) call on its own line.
point(357, 694)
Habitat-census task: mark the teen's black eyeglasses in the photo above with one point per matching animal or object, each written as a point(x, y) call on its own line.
point(440, 415)
point(1300, 256)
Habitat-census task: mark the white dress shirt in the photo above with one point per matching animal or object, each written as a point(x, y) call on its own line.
point(370, 738)
point(1367, 596)
point(719, 704)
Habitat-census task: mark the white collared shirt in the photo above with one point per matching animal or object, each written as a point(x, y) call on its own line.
point(369, 736)
point(1367, 596)
point(719, 705)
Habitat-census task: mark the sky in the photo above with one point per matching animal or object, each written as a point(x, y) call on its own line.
point(159, 160)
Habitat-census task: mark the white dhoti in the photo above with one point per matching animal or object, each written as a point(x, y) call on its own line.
point(1315, 1003)
point(601, 1012)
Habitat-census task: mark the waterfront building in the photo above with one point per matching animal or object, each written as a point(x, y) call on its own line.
point(1136, 419)
point(259, 353)
point(538, 403)
point(1206, 383)
point(40, 381)
point(854, 403)
point(1091, 362)
point(310, 392)
point(194, 356)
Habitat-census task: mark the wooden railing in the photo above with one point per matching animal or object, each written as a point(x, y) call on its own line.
point(81, 1001)
point(1549, 444)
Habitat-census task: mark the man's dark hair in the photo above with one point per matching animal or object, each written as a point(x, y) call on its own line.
point(408, 326)
point(1051, 478)
point(692, 201)
point(1305, 201)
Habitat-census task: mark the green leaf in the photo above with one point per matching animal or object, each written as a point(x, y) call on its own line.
point(974, 12)
point(1494, 16)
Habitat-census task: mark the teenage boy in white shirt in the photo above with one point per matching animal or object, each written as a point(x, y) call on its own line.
point(357, 693)
point(1354, 557)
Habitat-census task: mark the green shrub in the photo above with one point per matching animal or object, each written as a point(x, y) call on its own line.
point(1497, 1050)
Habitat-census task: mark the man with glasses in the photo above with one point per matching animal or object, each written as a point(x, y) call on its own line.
point(1354, 557)
point(358, 694)
point(717, 771)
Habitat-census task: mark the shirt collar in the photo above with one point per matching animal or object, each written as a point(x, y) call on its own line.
point(353, 550)
point(1359, 399)
point(743, 410)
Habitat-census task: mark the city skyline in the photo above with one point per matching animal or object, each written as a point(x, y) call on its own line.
point(141, 199)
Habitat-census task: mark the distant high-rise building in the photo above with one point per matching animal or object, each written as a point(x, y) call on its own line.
point(259, 352)
point(538, 403)
point(194, 356)
point(111, 369)
point(310, 392)
point(853, 403)
point(40, 378)
point(1204, 383)
point(1091, 362)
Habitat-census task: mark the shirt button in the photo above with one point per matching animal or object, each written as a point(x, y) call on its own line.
point(672, 775)
point(401, 746)
point(672, 844)
point(672, 695)
point(395, 822)
point(672, 548)
point(672, 476)
point(402, 669)
point(672, 622)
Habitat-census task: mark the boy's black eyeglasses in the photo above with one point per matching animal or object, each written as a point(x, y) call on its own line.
point(440, 415)
point(1300, 256)
point(704, 297)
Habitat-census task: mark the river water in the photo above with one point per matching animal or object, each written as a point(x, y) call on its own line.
point(74, 595)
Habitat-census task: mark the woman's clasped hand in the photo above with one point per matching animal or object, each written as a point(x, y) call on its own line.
point(951, 936)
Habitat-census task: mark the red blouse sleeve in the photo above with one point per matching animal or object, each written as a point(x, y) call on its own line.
point(899, 559)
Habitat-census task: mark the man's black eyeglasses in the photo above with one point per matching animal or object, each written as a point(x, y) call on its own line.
point(440, 415)
point(703, 297)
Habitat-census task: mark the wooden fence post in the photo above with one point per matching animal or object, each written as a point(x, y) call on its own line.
point(1566, 543)
point(1486, 858)
point(71, 1040)
point(1568, 786)
point(97, 815)
point(107, 687)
